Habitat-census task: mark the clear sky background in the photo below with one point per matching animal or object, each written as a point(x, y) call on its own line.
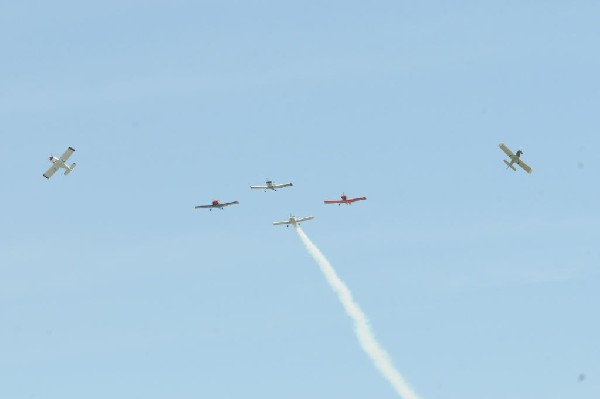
point(480, 282)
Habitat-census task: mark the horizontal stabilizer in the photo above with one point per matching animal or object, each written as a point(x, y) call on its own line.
point(509, 165)
point(70, 168)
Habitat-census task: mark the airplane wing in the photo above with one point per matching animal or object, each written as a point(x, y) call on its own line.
point(230, 203)
point(304, 219)
point(280, 223)
point(524, 166)
point(282, 185)
point(259, 187)
point(357, 199)
point(50, 171)
point(68, 152)
point(333, 202)
point(506, 151)
point(204, 206)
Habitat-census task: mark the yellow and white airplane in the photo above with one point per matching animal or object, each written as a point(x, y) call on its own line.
point(514, 159)
point(58, 163)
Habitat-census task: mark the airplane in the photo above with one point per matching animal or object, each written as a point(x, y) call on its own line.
point(345, 200)
point(294, 221)
point(514, 159)
point(216, 204)
point(271, 186)
point(58, 163)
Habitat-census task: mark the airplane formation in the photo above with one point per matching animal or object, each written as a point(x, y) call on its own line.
point(61, 163)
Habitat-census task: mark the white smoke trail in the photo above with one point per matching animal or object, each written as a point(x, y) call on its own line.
point(361, 325)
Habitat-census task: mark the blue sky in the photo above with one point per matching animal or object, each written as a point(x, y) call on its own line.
point(478, 281)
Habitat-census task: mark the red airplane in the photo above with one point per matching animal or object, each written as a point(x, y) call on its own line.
point(345, 200)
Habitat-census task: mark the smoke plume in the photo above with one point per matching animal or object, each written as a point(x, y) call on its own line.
point(365, 336)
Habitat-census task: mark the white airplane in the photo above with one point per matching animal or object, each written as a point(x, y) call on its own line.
point(514, 159)
point(294, 221)
point(58, 163)
point(271, 186)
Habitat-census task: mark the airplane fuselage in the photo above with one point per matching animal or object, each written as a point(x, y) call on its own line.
point(514, 159)
point(292, 221)
point(58, 162)
point(216, 204)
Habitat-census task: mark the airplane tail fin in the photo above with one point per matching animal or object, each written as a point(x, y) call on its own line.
point(508, 165)
point(70, 168)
